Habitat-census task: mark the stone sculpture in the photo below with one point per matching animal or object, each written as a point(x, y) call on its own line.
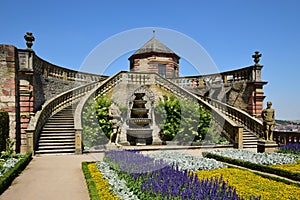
point(268, 116)
point(116, 121)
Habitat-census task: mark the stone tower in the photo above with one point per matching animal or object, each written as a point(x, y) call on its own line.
point(155, 57)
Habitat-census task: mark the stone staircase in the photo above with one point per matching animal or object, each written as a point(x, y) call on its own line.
point(249, 140)
point(58, 134)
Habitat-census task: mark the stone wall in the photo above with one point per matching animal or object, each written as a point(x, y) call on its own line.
point(8, 84)
point(27, 82)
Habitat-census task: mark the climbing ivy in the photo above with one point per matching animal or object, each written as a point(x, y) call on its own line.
point(185, 119)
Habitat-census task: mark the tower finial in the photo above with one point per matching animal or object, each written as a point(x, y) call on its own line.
point(154, 33)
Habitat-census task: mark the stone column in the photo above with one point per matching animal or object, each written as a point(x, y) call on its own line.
point(256, 98)
point(78, 141)
point(26, 91)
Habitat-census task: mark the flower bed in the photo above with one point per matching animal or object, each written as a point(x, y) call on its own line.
point(257, 161)
point(142, 177)
point(289, 167)
point(97, 184)
point(117, 186)
point(11, 168)
point(153, 179)
point(258, 158)
point(187, 162)
point(290, 148)
point(8, 164)
point(248, 184)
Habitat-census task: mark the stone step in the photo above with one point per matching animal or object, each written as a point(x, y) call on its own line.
point(58, 130)
point(61, 117)
point(55, 143)
point(52, 147)
point(254, 147)
point(51, 134)
point(69, 115)
point(59, 126)
point(56, 137)
point(44, 141)
point(56, 151)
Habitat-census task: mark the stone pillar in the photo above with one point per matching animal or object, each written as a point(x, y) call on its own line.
point(240, 137)
point(26, 92)
point(30, 141)
point(78, 141)
point(256, 98)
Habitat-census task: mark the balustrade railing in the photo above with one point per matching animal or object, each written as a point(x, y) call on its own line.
point(251, 73)
point(241, 117)
point(51, 107)
point(49, 70)
point(285, 137)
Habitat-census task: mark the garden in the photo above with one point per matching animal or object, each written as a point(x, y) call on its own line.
point(11, 165)
point(125, 174)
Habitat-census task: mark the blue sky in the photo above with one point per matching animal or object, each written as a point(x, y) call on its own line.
point(229, 30)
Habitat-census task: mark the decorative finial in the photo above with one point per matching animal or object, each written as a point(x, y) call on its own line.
point(154, 33)
point(29, 39)
point(256, 57)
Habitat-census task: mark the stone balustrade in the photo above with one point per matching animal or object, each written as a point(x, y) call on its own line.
point(285, 137)
point(51, 107)
point(241, 117)
point(248, 74)
point(49, 70)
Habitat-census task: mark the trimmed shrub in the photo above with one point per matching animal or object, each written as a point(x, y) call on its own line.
point(263, 168)
point(4, 129)
point(11, 174)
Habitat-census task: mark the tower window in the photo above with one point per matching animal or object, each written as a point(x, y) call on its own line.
point(162, 70)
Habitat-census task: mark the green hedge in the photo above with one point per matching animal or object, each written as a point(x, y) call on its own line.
point(89, 181)
point(263, 168)
point(11, 174)
point(4, 129)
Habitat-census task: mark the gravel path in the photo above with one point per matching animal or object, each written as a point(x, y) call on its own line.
point(51, 178)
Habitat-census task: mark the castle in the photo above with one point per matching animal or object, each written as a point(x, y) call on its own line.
point(33, 90)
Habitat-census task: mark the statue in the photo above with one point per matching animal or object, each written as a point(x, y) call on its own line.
point(29, 39)
point(116, 121)
point(268, 116)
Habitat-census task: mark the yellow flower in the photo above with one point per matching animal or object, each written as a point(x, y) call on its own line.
point(289, 167)
point(101, 183)
point(248, 184)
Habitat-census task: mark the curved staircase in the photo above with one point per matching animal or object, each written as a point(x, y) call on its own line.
point(54, 130)
point(58, 134)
